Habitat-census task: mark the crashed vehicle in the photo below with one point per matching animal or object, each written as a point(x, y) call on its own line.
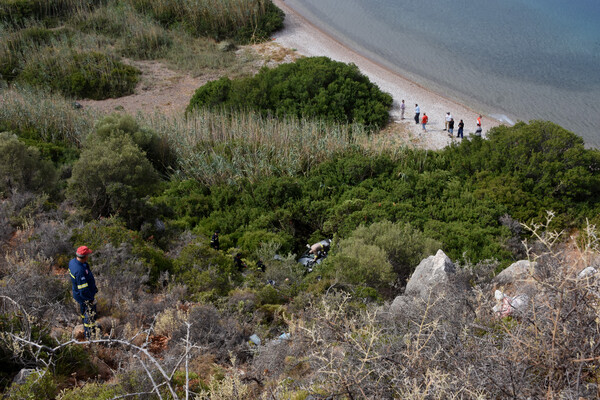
point(315, 254)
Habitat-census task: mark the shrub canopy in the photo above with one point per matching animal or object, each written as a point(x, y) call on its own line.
point(112, 176)
point(314, 87)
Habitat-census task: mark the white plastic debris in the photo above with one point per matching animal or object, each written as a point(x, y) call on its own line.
point(589, 271)
point(509, 305)
point(254, 339)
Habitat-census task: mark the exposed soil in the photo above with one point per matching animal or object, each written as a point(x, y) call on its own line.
point(162, 89)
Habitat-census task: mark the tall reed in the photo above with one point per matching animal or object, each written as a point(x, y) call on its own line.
point(51, 116)
point(215, 18)
point(135, 35)
point(19, 12)
point(218, 146)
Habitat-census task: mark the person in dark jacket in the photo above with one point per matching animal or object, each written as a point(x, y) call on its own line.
point(238, 263)
point(84, 289)
point(214, 240)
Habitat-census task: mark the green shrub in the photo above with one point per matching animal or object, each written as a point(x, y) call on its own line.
point(38, 386)
point(251, 241)
point(314, 87)
point(156, 148)
point(74, 359)
point(207, 274)
point(22, 168)
point(404, 245)
point(89, 74)
point(358, 263)
point(112, 177)
point(92, 391)
point(112, 232)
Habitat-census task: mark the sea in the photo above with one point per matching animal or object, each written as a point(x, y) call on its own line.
point(516, 60)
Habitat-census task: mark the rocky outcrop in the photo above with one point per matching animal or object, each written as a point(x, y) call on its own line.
point(435, 276)
point(518, 275)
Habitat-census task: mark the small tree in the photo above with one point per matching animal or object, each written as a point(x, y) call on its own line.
point(21, 167)
point(112, 177)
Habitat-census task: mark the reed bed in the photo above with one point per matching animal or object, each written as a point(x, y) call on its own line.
point(215, 18)
point(51, 116)
point(135, 35)
point(20, 12)
point(218, 146)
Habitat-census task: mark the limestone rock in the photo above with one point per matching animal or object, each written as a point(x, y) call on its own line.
point(433, 275)
point(225, 46)
point(23, 375)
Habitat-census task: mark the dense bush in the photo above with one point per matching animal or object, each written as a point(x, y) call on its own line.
point(315, 87)
point(455, 197)
point(90, 74)
point(113, 176)
point(156, 148)
point(243, 20)
point(530, 167)
point(22, 168)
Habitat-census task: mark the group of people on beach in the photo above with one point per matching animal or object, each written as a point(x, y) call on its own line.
point(449, 122)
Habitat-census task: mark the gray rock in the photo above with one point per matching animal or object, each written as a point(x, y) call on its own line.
point(433, 275)
point(23, 375)
point(587, 272)
point(225, 46)
point(522, 270)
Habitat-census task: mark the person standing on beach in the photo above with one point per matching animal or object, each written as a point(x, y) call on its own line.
point(448, 118)
point(478, 131)
point(424, 121)
point(402, 108)
point(479, 121)
point(417, 113)
point(461, 126)
point(451, 126)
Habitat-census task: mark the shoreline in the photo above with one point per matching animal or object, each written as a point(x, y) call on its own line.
point(307, 39)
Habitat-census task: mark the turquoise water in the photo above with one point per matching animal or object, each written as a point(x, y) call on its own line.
point(514, 59)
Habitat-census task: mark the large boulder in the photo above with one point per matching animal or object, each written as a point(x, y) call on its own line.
point(434, 277)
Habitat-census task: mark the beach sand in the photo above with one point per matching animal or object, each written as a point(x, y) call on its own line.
point(308, 40)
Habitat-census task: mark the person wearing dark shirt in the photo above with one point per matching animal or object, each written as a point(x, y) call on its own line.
point(238, 263)
point(461, 126)
point(214, 240)
point(261, 266)
point(84, 289)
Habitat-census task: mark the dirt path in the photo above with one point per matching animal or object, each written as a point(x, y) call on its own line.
point(167, 91)
point(160, 89)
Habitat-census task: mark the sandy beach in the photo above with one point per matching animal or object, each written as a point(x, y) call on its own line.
point(308, 40)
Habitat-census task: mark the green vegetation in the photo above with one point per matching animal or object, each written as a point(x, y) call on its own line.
point(315, 87)
point(286, 158)
point(244, 20)
point(19, 12)
point(89, 75)
point(21, 167)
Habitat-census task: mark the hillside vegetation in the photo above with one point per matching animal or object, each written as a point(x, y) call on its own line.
point(177, 317)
